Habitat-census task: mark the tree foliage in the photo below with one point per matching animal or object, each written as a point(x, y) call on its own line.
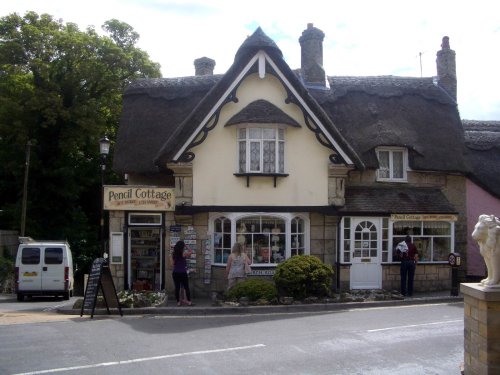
point(61, 90)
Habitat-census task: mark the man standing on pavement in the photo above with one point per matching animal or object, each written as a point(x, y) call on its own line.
point(409, 259)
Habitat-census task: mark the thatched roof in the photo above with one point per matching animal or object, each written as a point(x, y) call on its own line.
point(360, 113)
point(395, 200)
point(262, 112)
point(482, 139)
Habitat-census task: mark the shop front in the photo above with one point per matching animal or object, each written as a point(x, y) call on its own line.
point(137, 232)
point(368, 259)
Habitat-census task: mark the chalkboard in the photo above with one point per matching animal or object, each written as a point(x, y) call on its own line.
point(100, 277)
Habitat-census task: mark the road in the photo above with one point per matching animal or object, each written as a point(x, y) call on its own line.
point(419, 339)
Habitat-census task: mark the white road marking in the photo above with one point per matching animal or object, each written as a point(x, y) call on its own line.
point(105, 364)
point(415, 325)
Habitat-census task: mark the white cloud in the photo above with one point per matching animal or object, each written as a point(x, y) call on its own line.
point(363, 37)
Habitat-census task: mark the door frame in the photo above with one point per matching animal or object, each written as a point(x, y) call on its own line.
point(371, 266)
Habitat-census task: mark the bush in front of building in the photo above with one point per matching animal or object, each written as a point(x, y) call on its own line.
point(7, 281)
point(303, 276)
point(254, 290)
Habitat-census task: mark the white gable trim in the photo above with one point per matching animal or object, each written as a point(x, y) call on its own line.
point(261, 57)
point(311, 113)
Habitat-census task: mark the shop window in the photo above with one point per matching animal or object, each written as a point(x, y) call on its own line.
point(393, 164)
point(433, 239)
point(347, 240)
point(222, 240)
point(261, 150)
point(267, 239)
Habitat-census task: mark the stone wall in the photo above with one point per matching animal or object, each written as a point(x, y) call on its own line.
point(428, 277)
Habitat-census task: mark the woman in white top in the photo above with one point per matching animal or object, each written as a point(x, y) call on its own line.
point(235, 268)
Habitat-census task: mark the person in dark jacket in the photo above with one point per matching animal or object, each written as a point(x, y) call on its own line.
point(409, 259)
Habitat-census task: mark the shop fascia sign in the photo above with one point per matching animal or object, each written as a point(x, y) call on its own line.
point(138, 198)
point(423, 217)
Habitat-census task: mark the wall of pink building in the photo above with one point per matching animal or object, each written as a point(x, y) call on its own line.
point(478, 202)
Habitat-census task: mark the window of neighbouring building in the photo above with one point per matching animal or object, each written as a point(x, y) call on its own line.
point(268, 239)
point(434, 239)
point(393, 164)
point(261, 150)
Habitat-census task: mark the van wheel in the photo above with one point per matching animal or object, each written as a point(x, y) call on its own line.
point(20, 297)
point(66, 296)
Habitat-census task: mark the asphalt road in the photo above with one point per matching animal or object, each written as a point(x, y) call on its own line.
point(415, 339)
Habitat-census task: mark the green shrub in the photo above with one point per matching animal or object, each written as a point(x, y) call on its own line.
point(303, 276)
point(6, 275)
point(253, 289)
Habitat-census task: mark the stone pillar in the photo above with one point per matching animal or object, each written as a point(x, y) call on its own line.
point(481, 329)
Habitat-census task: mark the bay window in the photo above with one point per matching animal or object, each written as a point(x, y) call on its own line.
point(268, 239)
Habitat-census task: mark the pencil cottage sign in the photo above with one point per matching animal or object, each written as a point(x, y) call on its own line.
point(132, 198)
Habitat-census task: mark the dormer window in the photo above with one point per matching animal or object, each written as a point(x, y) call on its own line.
point(393, 163)
point(261, 150)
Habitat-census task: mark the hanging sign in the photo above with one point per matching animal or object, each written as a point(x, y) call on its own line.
point(138, 198)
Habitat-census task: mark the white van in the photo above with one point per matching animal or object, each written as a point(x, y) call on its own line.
point(44, 268)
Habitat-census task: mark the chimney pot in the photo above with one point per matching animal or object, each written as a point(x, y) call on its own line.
point(204, 66)
point(446, 68)
point(311, 43)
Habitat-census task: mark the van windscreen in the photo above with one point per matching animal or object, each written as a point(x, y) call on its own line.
point(53, 255)
point(31, 255)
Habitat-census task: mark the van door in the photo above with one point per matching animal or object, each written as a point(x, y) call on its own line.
point(30, 269)
point(53, 269)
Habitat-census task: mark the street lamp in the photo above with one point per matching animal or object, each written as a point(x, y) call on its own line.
point(104, 151)
point(25, 188)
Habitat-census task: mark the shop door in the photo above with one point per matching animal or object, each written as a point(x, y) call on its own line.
point(145, 267)
point(366, 268)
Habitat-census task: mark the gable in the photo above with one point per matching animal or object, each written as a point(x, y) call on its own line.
point(205, 116)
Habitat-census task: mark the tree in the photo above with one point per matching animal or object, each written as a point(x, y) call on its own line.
point(60, 89)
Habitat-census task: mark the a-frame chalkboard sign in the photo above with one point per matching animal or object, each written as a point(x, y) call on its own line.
point(100, 277)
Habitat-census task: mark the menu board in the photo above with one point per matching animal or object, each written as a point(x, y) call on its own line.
point(100, 278)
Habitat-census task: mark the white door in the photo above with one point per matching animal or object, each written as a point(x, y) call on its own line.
point(53, 272)
point(366, 267)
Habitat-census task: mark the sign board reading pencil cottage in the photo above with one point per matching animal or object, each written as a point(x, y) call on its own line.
point(141, 198)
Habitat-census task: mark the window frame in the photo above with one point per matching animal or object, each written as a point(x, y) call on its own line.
point(419, 239)
point(235, 218)
point(247, 140)
point(391, 170)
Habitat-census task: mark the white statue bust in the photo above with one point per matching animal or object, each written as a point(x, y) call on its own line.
point(487, 234)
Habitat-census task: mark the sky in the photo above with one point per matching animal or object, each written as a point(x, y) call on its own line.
point(362, 37)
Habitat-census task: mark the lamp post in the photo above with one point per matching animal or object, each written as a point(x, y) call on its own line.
point(104, 151)
point(25, 188)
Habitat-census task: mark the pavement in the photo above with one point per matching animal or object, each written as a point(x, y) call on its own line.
point(202, 307)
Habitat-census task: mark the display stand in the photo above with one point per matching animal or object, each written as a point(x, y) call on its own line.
point(100, 277)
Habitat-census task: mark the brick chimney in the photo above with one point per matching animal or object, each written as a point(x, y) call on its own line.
point(204, 66)
point(311, 43)
point(446, 68)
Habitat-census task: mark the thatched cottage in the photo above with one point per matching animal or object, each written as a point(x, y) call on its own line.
point(289, 162)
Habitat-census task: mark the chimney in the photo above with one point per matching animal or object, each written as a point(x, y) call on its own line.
point(446, 68)
point(204, 66)
point(311, 43)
